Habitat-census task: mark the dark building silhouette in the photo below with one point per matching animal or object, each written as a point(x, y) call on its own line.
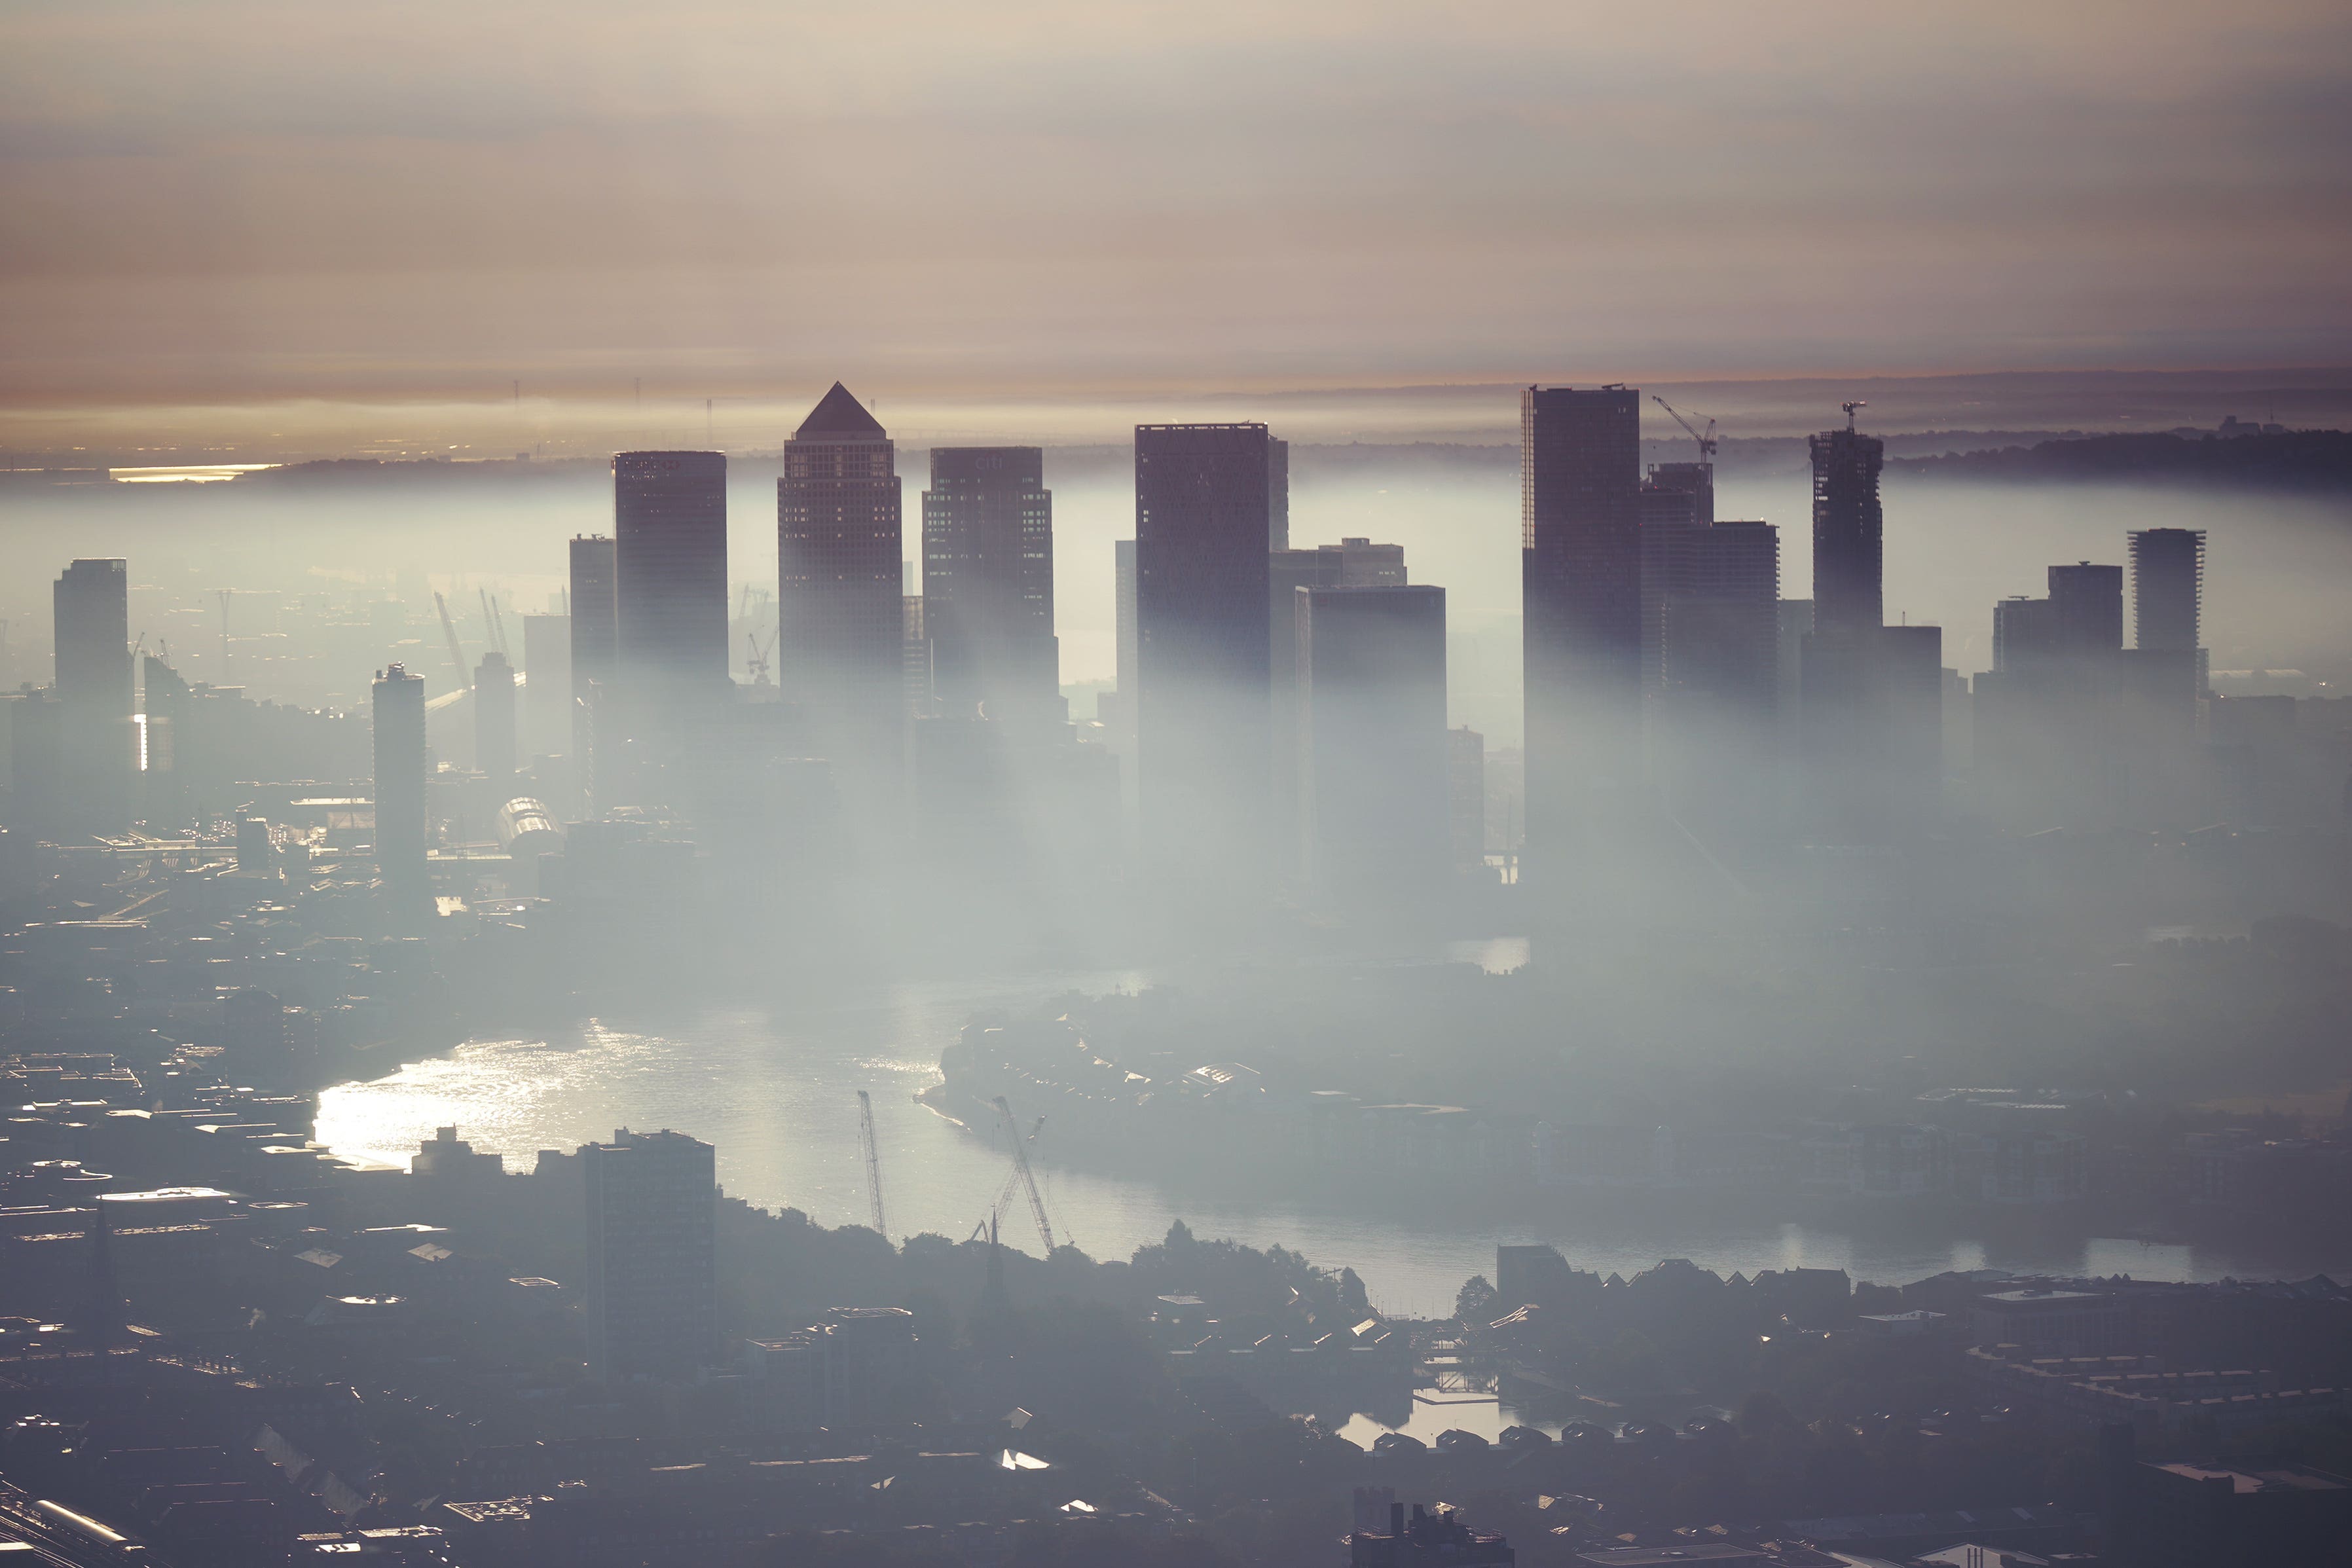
point(1678, 493)
point(595, 635)
point(96, 759)
point(2167, 570)
point(840, 584)
point(1433, 1539)
point(652, 1262)
point(399, 771)
point(1351, 563)
point(1716, 703)
point(988, 583)
point(1849, 533)
point(1580, 590)
point(1373, 771)
point(669, 551)
point(2086, 609)
point(1277, 493)
point(494, 719)
point(1201, 716)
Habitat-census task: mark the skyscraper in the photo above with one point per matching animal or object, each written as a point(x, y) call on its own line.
point(1714, 624)
point(1373, 769)
point(2087, 609)
point(988, 583)
point(93, 652)
point(652, 1208)
point(494, 719)
point(595, 633)
point(1849, 534)
point(1277, 493)
point(1580, 592)
point(840, 589)
point(1201, 629)
point(398, 702)
point(2167, 568)
point(669, 557)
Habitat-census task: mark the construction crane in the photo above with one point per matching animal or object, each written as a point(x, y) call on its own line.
point(1850, 407)
point(873, 1162)
point(497, 621)
point(1005, 1194)
point(456, 654)
point(1028, 1177)
point(758, 663)
point(1705, 440)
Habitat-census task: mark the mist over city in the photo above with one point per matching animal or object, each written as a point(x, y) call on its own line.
point(1205, 788)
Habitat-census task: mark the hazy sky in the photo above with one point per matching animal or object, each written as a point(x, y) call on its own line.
point(249, 199)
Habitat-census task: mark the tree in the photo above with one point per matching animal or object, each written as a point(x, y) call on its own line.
point(1475, 1303)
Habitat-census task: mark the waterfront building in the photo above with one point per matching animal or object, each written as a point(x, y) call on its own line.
point(652, 1264)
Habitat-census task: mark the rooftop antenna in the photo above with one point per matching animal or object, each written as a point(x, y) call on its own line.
point(224, 604)
point(1850, 407)
point(709, 436)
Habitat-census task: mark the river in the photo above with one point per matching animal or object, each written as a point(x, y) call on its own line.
point(778, 1096)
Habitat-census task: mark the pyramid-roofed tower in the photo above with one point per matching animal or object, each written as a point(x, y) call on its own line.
point(839, 416)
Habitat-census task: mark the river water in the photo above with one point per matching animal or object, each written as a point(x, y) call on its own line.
point(778, 1096)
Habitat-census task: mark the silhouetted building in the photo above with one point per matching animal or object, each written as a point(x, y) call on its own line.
point(1351, 563)
point(596, 635)
point(1203, 726)
point(652, 1283)
point(2086, 609)
point(1678, 493)
point(1581, 589)
point(988, 583)
point(1277, 493)
point(1426, 1538)
point(1373, 771)
point(1719, 646)
point(398, 699)
point(669, 538)
point(1849, 533)
point(2167, 569)
point(97, 758)
point(494, 719)
point(840, 591)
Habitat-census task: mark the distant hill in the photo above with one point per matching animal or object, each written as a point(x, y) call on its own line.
point(2278, 460)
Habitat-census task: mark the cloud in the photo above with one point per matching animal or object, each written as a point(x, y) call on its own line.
point(252, 192)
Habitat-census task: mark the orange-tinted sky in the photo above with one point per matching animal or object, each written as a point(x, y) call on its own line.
point(249, 200)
